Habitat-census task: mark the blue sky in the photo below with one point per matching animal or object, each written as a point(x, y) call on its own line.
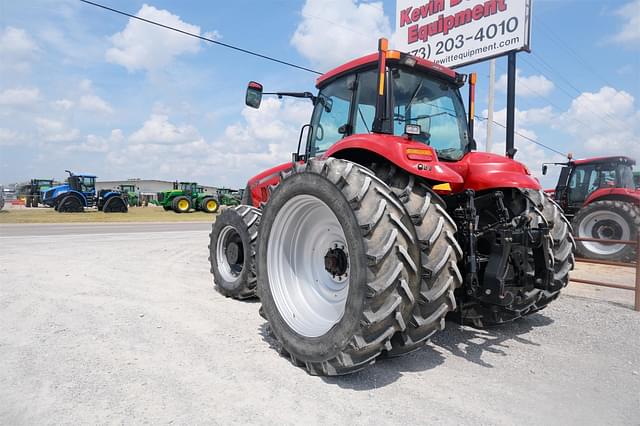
point(87, 90)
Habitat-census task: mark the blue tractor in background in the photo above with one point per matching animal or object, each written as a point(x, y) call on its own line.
point(79, 192)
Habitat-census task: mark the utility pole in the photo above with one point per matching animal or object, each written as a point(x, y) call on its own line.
point(492, 80)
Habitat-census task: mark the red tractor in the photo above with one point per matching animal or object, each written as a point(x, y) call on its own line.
point(600, 197)
point(388, 220)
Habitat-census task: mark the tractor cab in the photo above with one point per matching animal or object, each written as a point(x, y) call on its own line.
point(584, 181)
point(188, 187)
point(82, 183)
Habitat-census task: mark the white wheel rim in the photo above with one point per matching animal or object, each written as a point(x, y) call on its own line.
point(230, 272)
point(308, 297)
point(606, 225)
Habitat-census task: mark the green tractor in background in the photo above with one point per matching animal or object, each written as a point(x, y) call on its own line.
point(229, 197)
point(133, 197)
point(186, 196)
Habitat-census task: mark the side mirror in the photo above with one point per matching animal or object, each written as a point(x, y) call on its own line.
point(544, 169)
point(253, 97)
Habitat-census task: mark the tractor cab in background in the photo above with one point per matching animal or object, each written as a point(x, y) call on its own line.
point(599, 195)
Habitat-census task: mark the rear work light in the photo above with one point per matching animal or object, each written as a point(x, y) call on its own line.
point(418, 154)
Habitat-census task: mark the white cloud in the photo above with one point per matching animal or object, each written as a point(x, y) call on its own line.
point(604, 123)
point(94, 103)
point(9, 137)
point(17, 49)
point(141, 46)
point(62, 104)
point(95, 143)
point(20, 97)
point(55, 131)
point(347, 29)
point(157, 130)
point(629, 34)
point(534, 85)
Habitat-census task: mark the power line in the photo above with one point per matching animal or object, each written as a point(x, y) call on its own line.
point(219, 43)
point(524, 137)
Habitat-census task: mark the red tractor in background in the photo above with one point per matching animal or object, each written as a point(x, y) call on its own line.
point(600, 197)
point(388, 220)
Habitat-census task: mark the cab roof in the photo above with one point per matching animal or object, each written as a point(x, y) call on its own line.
point(600, 160)
point(392, 57)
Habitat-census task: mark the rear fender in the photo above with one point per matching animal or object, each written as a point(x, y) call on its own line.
point(614, 194)
point(414, 157)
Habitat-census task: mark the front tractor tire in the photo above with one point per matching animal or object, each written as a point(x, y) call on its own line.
point(337, 266)
point(181, 205)
point(232, 251)
point(115, 205)
point(527, 292)
point(209, 205)
point(70, 204)
point(610, 220)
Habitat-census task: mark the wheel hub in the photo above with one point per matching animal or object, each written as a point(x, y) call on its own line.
point(233, 252)
point(336, 261)
point(607, 229)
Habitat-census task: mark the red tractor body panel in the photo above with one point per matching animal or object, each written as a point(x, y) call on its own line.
point(414, 157)
point(482, 171)
point(622, 194)
point(258, 185)
point(477, 170)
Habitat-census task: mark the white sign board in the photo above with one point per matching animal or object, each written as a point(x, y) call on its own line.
point(454, 33)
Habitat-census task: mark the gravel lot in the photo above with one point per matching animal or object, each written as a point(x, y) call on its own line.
point(125, 327)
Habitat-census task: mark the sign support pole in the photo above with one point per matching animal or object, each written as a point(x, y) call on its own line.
point(511, 105)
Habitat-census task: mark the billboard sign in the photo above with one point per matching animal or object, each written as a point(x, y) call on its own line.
point(454, 33)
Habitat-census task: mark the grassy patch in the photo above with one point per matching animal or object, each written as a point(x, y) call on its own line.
point(136, 214)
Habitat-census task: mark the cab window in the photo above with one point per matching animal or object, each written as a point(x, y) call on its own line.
point(331, 115)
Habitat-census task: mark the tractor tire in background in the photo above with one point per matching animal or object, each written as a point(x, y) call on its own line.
point(209, 205)
point(166, 208)
point(70, 204)
point(232, 251)
point(27, 202)
point(611, 220)
point(561, 246)
point(115, 205)
point(337, 266)
point(181, 205)
point(439, 257)
point(246, 197)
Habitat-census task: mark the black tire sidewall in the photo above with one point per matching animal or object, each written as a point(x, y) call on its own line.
point(329, 345)
point(110, 201)
point(175, 204)
point(230, 218)
point(67, 199)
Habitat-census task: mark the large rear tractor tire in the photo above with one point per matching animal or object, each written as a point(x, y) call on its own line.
point(115, 205)
point(209, 205)
point(70, 204)
point(337, 266)
point(439, 257)
point(552, 277)
point(232, 251)
point(610, 220)
point(181, 205)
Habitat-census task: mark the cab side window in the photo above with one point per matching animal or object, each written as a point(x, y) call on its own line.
point(331, 113)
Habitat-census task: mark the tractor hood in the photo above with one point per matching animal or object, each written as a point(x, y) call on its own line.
point(482, 171)
point(50, 194)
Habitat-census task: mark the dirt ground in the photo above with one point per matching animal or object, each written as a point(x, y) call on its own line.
point(21, 214)
point(126, 328)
